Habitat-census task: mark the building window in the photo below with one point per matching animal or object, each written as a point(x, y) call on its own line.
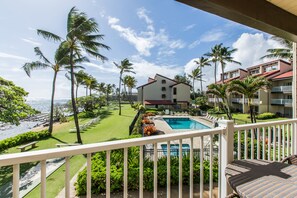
point(270, 68)
point(234, 74)
point(163, 88)
point(289, 97)
point(174, 91)
point(163, 95)
point(288, 84)
point(163, 81)
point(255, 71)
point(174, 100)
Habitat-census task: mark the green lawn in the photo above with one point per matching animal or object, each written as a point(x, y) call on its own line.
point(112, 126)
point(241, 118)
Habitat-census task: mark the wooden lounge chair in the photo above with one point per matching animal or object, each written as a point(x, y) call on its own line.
point(290, 160)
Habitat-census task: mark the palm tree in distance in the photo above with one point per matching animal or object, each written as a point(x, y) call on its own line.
point(225, 56)
point(60, 61)
point(109, 90)
point(182, 79)
point(125, 67)
point(249, 87)
point(82, 35)
point(130, 82)
point(195, 75)
point(222, 92)
point(214, 57)
point(284, 53)
point(202, 62)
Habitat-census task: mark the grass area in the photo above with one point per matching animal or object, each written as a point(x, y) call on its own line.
point(241, 118)
point(111, 127)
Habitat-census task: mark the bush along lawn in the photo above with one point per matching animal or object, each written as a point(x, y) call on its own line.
point(117, 172)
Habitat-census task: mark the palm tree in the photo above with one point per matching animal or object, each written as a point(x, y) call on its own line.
point(91, 83)
point(202, 62)
point(285, 53)
point(222, 92)
point(109, 89)
point(225, 56)
point(130, 82)
point(214, 57)
point(82, 35)
point(125, 67)
point(79, 80)
point(195, 75)
point(101, 88)
point(182, 79)
point(60, 61)
point(249, 87)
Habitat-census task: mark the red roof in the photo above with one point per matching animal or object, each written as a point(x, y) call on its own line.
point(158, 102)
point(284, 75)
point(227, 80)
point(266, 74)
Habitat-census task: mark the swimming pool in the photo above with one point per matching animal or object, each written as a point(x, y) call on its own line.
point(184, 123)
point(174, 149)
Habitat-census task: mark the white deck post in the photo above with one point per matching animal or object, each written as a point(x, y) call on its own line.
point(227, 156)
point(294, 95)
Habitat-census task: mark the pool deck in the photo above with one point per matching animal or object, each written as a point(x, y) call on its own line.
point(162, 125)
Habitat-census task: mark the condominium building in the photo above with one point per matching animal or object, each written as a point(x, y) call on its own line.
point(277, 100)
point(162, 91)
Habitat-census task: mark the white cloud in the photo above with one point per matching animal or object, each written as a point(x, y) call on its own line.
point(189, 27)
point(209, 36)
point(145, 41)
point(30, 41)
point(12, 56)
point(107, 67)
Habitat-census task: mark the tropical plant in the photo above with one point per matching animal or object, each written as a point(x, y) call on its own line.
point(125, 67)
point(182, 79)
point(61, 60)
point(80, 77)
point(202, 62)
point(225, 56)
point(249, 87)
point(214, 57)
point(130, 82)
point(109, 90)
point(91, 83)
point(13, 105)
point(82, 36)
point(222, 92)
point(195, 75)
point(285, 53)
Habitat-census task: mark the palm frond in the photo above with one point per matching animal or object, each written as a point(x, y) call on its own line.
point(49, 36)
point(39, 53)
point(28, 67)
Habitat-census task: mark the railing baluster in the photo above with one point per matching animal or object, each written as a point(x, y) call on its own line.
point(288, 140)
point(67, 177)
point(245, 144)
point(108, 174)
point(43, 178)
point(252, 143)
point(191, 167)
point(201, 166)
point(274, 143)
point(168, 170)
point(283, 140)
point(89, 175)
point(264, 143)
point(258, 143)
point(141, 172)
point(16, 181)
point(210, 168)
point(269, 143)
point(125, 172)
point(155, 170)
point(238, 144)
point(279, 143)
point(180, 171)
point(292, 139)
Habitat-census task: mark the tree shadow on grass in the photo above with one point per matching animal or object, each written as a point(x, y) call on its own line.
point(61, 141)
point(105, 114)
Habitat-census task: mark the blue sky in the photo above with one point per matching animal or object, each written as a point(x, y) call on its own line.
point(156, 36)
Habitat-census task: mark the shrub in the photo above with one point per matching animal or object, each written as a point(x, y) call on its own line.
point(22, 139)
point(265, 116)
point(117, 172)
point(138, 126)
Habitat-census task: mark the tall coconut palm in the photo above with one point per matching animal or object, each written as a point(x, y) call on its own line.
point(79, 80)
point(222, 92)
point(249, 87)
point(91, 83)
point(182, 79)
point(82, 35)
point(214, 57)
point(225, 56)
point(195, 75)
point(285, 53)
point(202, 62)
point(109, 88)
point(130, 82)
point(60, 61)
point(125, 67)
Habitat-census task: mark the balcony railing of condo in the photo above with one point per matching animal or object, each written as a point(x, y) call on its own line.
point(282, 89)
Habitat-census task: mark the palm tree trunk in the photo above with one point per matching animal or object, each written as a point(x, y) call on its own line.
point(51, 121)
point(201, 90)
point(223, 77)
point(90, 92)
point(120, 110)
point(86, 91)
point(193, 89)
point(251, 113)
point(73, 99)
point(215, 72)
point(76, 91)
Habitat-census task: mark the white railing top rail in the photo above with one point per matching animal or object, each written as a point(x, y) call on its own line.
point(263, 124)
point(19, 158)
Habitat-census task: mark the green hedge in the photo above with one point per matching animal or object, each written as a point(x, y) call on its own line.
point(265, 116)
point(22, 139)
point(117, 172)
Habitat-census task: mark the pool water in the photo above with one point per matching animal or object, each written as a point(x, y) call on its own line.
point(174, 149)
point(184, 123)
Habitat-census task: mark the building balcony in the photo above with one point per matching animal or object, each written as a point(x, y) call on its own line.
point(281, 143)
point(282, 102)
point(255, 101)
point(214, 100)
point(282, 89)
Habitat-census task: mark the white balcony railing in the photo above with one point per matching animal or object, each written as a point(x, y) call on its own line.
point(282, 89)
point(284, 102)
point(240, 100)
point(213, 100)
point(272, 141)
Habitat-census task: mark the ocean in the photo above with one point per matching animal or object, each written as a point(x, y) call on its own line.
point(43, 105)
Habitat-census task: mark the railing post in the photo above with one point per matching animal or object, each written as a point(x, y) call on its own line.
point(227, 155)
